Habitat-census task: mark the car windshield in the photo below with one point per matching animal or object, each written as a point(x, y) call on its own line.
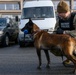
point(37, 12)
point(2, 21)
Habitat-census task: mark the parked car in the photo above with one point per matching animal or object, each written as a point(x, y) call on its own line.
point(8, 31)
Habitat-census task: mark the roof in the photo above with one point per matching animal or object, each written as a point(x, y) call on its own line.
point(38, 3)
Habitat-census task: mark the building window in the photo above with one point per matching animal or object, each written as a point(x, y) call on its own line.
point(55, 4)
point(9, 6)
point(16, 6)
point(2, 6)
point(12, 6)
point(74, 5)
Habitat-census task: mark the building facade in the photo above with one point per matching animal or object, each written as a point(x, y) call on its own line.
point(10, 8)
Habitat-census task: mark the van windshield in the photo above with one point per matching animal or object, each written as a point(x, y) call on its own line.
point(37, 12)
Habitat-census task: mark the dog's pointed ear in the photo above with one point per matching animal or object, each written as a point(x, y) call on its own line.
point(30, 21)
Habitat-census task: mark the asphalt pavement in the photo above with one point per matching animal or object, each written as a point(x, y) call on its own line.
point(24, 61)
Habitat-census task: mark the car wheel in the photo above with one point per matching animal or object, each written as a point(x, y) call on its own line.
point(16, 41)
point(21, 44)
point(6, 41)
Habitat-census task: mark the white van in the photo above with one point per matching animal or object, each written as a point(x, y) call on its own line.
point(42, 14)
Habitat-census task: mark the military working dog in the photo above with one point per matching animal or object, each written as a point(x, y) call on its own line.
point(58, 44)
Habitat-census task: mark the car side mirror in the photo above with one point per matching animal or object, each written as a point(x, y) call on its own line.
point(8, 25)
point(16, 18)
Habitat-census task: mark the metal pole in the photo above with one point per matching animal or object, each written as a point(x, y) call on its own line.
point(71, 5)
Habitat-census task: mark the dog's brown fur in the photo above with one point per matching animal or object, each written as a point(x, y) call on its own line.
point(56, 43)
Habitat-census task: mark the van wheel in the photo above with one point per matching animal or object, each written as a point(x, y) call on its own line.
point(21, 45)
point(6, 41)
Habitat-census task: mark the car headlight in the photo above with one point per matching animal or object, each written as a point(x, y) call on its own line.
point(1, 32)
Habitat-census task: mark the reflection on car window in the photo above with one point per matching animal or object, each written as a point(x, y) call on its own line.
point(2, 21)
point(38, 12)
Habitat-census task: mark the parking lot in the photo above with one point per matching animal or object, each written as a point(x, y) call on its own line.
point(23, 61)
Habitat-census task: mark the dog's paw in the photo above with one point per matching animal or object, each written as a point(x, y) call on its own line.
point(48, 66)
point(66, 63)
point(39, 67)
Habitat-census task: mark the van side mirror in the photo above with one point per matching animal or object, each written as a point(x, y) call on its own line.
point(16, 18)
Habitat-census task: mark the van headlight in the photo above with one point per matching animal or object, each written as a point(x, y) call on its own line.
point(51, 30)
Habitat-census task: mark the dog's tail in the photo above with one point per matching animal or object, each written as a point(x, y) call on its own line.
point(74, 53)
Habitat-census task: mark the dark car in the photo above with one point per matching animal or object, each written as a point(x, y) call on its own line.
point(8, 31)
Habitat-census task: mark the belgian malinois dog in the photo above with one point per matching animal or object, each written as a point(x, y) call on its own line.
point(58, 44)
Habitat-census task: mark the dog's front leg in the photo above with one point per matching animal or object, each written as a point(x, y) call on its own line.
point(48, 58)
point(39, 57)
